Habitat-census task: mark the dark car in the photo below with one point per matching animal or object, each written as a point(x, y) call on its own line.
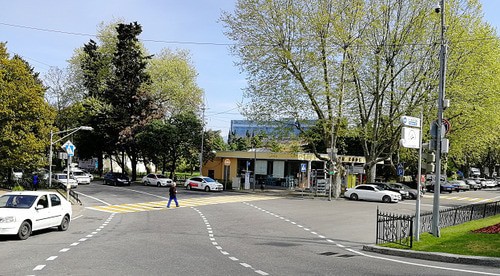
point(387, 187)
point(115, 179)
point(412, 193)
point(444, 187)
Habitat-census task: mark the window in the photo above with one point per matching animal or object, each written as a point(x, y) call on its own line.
point(43, 201)
point(55, 200)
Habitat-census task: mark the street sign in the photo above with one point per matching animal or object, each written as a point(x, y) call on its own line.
point(410, 137)
point(69, 148)
point(444, 129)
point(410, 121)
point(400, 170)
point(303, 167)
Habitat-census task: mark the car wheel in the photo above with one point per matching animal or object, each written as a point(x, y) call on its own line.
point(114, 182)
point(386, 199)
point(354, 197)
point(24, 230)
point(64, 223)
point(188, 187)
point(207, 189)
point(412, 196)
point(158, 184)
point(145, 183)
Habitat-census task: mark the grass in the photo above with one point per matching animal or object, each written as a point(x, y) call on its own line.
point(460, 239)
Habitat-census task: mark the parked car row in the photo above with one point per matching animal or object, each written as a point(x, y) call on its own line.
point(463, 185)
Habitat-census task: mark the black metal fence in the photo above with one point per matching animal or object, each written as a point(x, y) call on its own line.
point(394, 228)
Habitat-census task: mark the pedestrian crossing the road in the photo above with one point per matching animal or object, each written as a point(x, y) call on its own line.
point(462, 198)
point(192, 202)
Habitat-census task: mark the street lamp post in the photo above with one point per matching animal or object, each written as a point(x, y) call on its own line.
point(71, 131)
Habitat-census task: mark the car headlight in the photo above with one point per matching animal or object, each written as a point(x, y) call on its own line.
point(8, 219)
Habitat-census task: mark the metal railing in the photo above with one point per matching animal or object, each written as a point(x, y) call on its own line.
point(398, 229)
point(393, 228)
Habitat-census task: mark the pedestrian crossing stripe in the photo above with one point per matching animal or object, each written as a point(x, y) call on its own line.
point(192, 202)
point(460, 198)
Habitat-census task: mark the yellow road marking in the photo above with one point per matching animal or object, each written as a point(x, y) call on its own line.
point(161, 205)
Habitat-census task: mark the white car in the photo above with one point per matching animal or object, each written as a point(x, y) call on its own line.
point(79, 175)
point(203, 183)
point(91, 176)
point(372, 193)
point(157, 180)
point(62, 178)
point(23, 212)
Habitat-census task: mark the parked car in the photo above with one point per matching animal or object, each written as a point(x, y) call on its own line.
point(203, 183)
point(62, 178)
point(17, 174)
point(412, 193)
point(372, 193)
point(157, 180)
point(386, 186)
point(115, 179)
point(23, 212)
point(460, 185)
point(444, 187)
point(489, 183)
point(80, 176)
point(91, 176)
point(473, 184)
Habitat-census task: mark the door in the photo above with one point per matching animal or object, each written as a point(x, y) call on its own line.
point(43, 216)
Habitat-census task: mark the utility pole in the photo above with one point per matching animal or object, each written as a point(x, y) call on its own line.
point(441, 97)
point(202, 136)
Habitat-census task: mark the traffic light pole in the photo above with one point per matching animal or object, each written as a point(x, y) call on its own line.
point(442, 82)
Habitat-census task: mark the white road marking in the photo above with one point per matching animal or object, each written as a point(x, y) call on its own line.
point(51, 258)
point(39, 267)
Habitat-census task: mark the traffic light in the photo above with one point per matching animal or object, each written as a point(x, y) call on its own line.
point(430, 159)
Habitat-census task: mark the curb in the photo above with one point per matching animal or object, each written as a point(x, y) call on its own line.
point(435, 256)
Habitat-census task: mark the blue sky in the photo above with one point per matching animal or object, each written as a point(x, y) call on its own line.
point(165, 20)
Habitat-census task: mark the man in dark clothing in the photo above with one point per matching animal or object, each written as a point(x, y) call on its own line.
point(173, 195)
point(35, 182)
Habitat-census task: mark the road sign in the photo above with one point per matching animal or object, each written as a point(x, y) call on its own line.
point(227, 162)
point(401, 170)
point(444, 129)
point(69, 148)
point(410, 121)
point(410, 137)
point(303, 167)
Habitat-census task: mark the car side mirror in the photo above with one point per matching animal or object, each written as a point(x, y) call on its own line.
point(39, 206)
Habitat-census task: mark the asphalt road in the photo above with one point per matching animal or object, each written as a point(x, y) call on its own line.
point(127, 231)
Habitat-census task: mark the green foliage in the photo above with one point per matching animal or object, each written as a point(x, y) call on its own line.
point(25, 117)
point(460, 239)
point(17, 188)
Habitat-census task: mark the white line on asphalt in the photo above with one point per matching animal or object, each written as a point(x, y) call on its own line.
point(51, 258)
point(39, 267)
point(64, 250)
point(95, 198)
point(422, 265)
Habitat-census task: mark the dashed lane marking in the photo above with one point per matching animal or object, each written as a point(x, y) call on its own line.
point(462, 198)
point(192, 202)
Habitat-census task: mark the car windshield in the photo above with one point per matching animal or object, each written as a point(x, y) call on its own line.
point(208, 179)
point(62, 176)
point(79, 173)
point(17, 201)
point(160, 176)
point(121, 175)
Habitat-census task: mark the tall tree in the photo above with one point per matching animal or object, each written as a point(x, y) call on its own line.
point(132, 105)
point(25, 117)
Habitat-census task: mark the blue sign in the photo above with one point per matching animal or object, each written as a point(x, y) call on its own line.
point(303, 167)
point(400, 170)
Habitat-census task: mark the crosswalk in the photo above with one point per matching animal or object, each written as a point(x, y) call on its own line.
point(191, 202)
point(462, 198)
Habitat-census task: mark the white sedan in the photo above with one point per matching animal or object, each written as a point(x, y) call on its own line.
point(23, 212)
point(203, 183)
point(157, 180)
point(372, 193)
